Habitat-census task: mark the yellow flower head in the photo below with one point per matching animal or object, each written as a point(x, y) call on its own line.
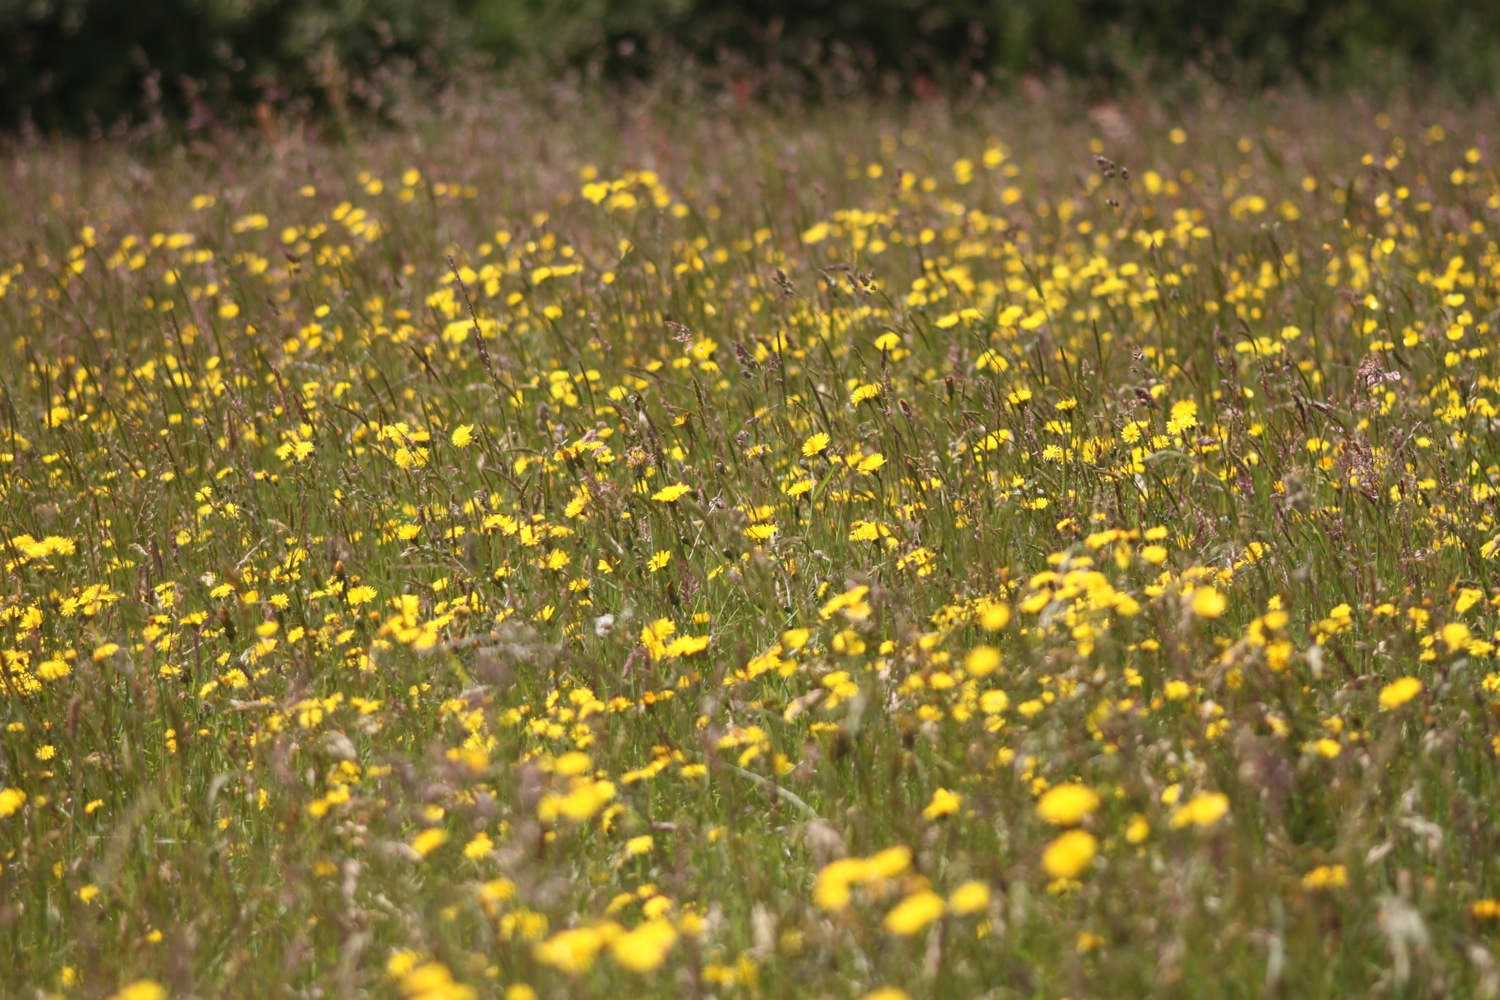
point(914, 913)
point(573, 951)
point(1202, 810)
point(944, 803)
point(429, 840)
point(1070, 855)
point(645, 947)
point(982, 661)
point(1067, 805)
point(1399, 692)
point(1326, 877)
point(11, 800)
point(141, 989)
point(669, 494)
point(1208, 603)
point(971, 897)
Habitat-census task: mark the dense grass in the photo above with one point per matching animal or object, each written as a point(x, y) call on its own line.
point(636, 549)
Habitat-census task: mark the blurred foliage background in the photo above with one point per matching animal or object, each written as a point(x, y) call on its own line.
point(97, 65)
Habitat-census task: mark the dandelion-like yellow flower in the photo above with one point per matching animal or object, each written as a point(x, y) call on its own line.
point(995, 616)
point(1202, 810)
point(360, 595)
point(1070, 855)
point(1456, 636)
point(1184, 416)
point(1328, 748)
point(1087, 941)
point(982, 661)
point(429, 840)
point(814, 444)
point(478, 846)
point(580, 804)
point(969, 898)
point(11, 801)
point(1067, 805)
point(914, 913)
point(573, 951)
point(433, 981)
point(141, 989)
point(1326, 877)
point(1399, 692)
point(686, 645)
point(1154, 554)
point(670, 494)
point(832, 890)
point(645, 947)
point(944, 803)
point(1208, 603)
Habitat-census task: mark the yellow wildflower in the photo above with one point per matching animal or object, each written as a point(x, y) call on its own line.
point(971, 897)
point(1208, 603)
point(1202, 810)
point(645, 947)
point(1399, 692)
point(1326, 877)
point(814, 444)
point(1067, 805)
point(141, 989)
point(670, 494)
point(573, 951)
point(944, 803)
point(429, 840)
point(1070, 855)
point(914, 913)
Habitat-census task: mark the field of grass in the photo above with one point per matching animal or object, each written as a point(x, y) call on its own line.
point(570, 548)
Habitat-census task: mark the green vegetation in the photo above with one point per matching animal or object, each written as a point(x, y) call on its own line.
point(580, 549)
point(98, 65)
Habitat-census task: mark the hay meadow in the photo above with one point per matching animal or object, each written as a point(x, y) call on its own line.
point(670, 547)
